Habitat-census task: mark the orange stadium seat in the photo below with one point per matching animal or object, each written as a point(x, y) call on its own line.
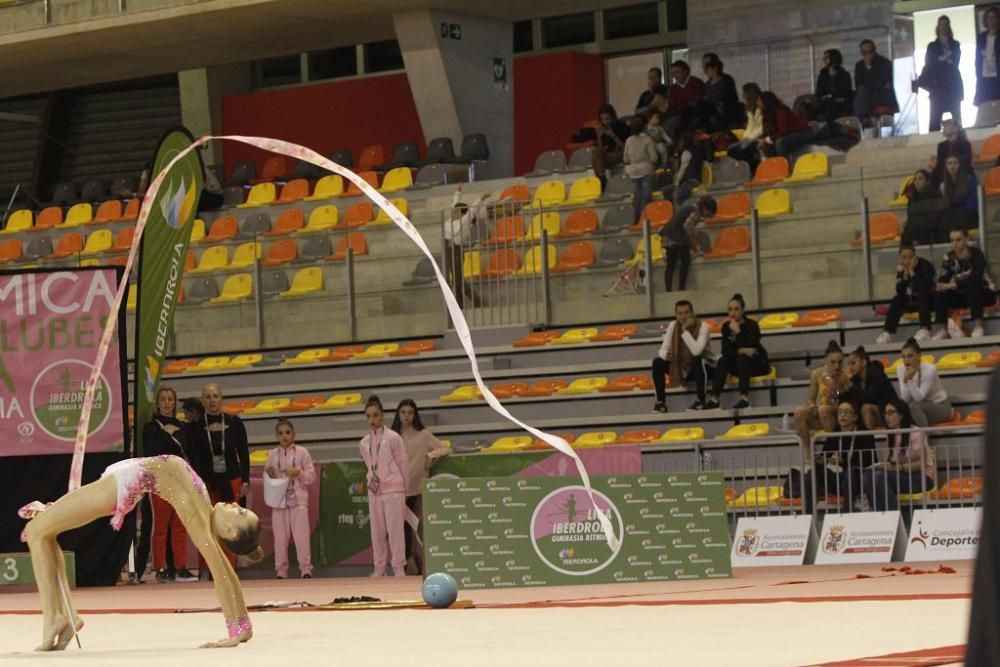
point(638, 436)
point(579, 223)
point(344, 353)
point(770, 170)
point(413, 347)
point(817, 318)
point(615, 332)
point(732, 206)
point(990, 151)
point(353, 190)
point(628, 383)
point(506, 390)
point(731, 241)
point(538, 443)
point(288, 222)
point(578, 255)
point(274, 169)
point(502, 262)
point(293, 191)
point(303, 403)
point(537, 338)
point(357, 242)
point(544, 387)
point(223, 229)
point(658, 212)
point(108, 211)
point(882, 227)
point(280, 252)
point(123, 240)
point(371, 157)
point(517, 193)
point(238, 406)
point(131, 211)
point(506, 230)
point(48, 218)
point(10, 250)
point(358, 214)
point(67, 246)
point(991, 182)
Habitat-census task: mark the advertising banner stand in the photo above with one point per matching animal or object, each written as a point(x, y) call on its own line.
point(861, 537)
point(774, 540)
point(944, 534)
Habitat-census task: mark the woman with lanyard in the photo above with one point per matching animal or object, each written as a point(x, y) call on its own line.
point(163, 436)
point(384, 455)
point(220, 451)
point(837, 467)
point(290, 461)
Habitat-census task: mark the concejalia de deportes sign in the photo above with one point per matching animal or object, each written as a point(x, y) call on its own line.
point(944, 534)
point(503, 531)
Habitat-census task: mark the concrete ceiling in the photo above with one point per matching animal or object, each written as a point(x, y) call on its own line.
point(215, 32)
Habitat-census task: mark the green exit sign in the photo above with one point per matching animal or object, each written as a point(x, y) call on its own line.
point(15, 568)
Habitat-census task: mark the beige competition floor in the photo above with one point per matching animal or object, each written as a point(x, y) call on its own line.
point(814, 615)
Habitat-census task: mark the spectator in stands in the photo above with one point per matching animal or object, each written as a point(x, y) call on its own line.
point(686, 90)
point(658, 133)
point(212, 193)
point(193, 410)
point(961, 195)
point(746, 150)
point(838, 466)
point(611, 136)
point(687, 172)
point(962, 283)
point(422, 451)
point(940, 76)
point(164, 435)
point(955, 143)
point(457, 236)
point(640, 159)
point(654, 78)
point(140, 191)
point(784, 131)
point(873, 84)
point(914, 292)
point(833, 88)
point(920, 387)
point(722, 102)
point(870, 388)
point(384, 455)
point(291, 462)
point(678, 238)
point(687, 348)
point(988, 59)
point(826, 384)
point(743, 355)
point(924, 211)
point(910, 467)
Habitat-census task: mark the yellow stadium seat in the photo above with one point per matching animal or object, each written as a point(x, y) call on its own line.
point(331, 185)
point(308, 356)
point(758, 496)
point(382, 218)
point(396, 179)
point(261, 194)
point(778, 321)
point(245, 254)
point(584, 386)
point(957, 360)
point(757, 379)
point(197, 230)
point(584, 190)
point(19, 221)
point(547, 221)
point(131, 299)
point(90, 262)
point(682, 434)
point(245, 360)
point(209, 364)
point(472, 264)
point(213, 258)
point(891, 370)
point(595, 439)
point(775, 202)
point(98, 242)
point(79, 214)
point(339, 402)
point(915, 496)
point(258, 457)
point(305, 281)
point(640, 250)
point(236, 288)
point(549, 193)
point(809, 167)
point(508, 443)
point(321, 219)
point(378, 351)
point(533, 261)
point(268, 405)
point(575, 336)
point(901, 198)
point(446, 443)
point(738, 133)
point(746, 431)
point(465, 392)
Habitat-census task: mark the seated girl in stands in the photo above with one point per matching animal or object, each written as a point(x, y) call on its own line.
point(960, 193)
point(687, 349)
point(920, 387)
point(826, 384)
point(384, 455)
point(870, 388)
point(658, 133)
point(924, 211)
point(962, 283)
point(291, 522)
point(838, 466)
point(910, 467)
point(743, 356)
point(746, 150)
point(784, 131)
point(914, 292)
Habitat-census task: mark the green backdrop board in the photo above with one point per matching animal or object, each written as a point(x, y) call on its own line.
point(344, 535)
point(15, 568)
point(499, 532)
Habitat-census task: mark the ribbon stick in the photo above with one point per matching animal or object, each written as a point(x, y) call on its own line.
point(401, 221)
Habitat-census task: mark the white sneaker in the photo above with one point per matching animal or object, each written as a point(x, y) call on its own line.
point(955, 330)
point(977, 332)
point(940, 335)
point(922, 336)
point(883, 338)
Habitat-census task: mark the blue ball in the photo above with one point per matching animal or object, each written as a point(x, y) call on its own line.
point(440, 590)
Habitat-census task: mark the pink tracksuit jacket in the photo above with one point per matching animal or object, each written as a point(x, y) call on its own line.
point(383, 452)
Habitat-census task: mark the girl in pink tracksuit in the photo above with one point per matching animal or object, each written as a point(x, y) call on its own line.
point(291, 461)
point(384, 455)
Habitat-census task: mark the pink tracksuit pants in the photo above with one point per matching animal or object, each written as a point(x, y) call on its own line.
point(291, 522)
point(386, 511)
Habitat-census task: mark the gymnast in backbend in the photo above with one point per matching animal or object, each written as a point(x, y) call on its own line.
point(115, 494)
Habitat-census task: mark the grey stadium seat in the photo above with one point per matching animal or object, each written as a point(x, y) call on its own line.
point(406, 154)
point(342, 156)
point(614, 252)
point(93, 190)
point(616, 219)
point(64, 194)
point(274, 282)
point(232, 195)
point(255, 225)
point(474, 149)
point(423, 274)
point(308, 170)
point(580, 160)
point(730, 173)
point(314, 249)
point(440, 150)
point(430, 175)
point(202, 290)
point(243, 173)
point(38, 248)
point(122, 184)
point(548, 163)
point(619, 186)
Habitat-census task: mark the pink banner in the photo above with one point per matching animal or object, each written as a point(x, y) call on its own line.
point(617, 460)
point(50, 326)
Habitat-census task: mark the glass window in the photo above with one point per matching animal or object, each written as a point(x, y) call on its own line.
point(281, 70)
point(333, 63)
point(677, 15)
point(523, 36)
point(383, 56)
point(568, 29)
point(631, 21)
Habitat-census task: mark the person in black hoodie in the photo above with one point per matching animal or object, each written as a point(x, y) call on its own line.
point(925, 219)
point(963, 283)
point(742, 355)
point(914, 292)
point(833, 88)
point(870, 387)
point(838, 465)
point(163, 435)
